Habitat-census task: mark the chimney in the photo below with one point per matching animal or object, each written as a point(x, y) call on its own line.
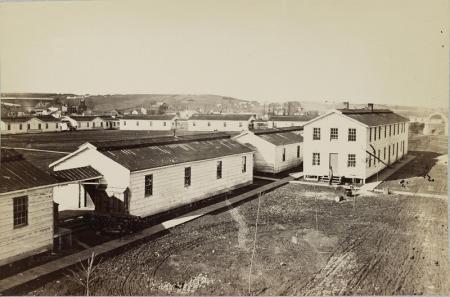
point(347, 105)
point(370, 106)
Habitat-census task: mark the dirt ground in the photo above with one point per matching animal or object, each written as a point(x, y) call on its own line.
point(427, 173)
point(307, 244)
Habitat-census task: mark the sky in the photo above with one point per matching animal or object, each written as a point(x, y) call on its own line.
point(383, 51)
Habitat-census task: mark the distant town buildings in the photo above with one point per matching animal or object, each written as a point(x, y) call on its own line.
point(221, 122)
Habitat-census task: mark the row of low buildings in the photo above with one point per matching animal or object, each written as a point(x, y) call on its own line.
point(143, 177)
point(197, 122)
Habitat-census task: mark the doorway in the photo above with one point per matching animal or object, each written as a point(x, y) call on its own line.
point(334, 169)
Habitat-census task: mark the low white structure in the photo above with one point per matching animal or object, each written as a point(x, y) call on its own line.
point(276, 150)
point(278, 121)
point(353, 144)
point(88, 122)
point(436, 124)
point(221, 122)
point(29, 124)
point(145, 177)
point(149, 122)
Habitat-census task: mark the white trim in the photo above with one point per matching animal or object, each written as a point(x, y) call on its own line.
point(338, 113)
point(81, 148)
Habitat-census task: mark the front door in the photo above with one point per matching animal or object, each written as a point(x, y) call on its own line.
point(334, 170)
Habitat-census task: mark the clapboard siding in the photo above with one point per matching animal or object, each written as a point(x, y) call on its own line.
point(35, 237)
point(168, 183)
point(144, 124)
point(218, 125)
point(291, 157)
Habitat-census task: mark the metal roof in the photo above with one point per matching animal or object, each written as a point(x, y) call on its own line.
point(374, 117)
point(47, 118)
point(84, 118)
point(158, 155)
point(222, 117)
point(280, 138)
point(294, 118)
point(161, 117)
point(18, 174)
point(76, 174)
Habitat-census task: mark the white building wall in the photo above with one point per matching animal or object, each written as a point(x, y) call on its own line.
point(71, 197)
point(341, 146)
point(218, 125)
point(14, 128)
point(33, 124)
point(139, 124)
point(36, 236)
point(264, 160)
point(168, 183)
point(291, 160)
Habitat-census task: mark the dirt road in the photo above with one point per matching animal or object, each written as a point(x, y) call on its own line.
point(307, 244)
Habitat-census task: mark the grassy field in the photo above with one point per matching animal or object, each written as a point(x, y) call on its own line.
point(307, 244)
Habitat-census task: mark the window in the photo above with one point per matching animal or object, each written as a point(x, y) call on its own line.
point(351, 161)
point(379, 155)
point(28, 126)
point(240, 124)
point(20, 209)
point(87, 124)
point(333, 133)
point(390, 128)
point(316, 159)
point(375, 134)
point(150, 123)
point(39, 126)
point(379, 132)
point(244, 164)
point(370, 160)
point(384, 153)
point(298, 151)
point(164, 124)
point(284, 154)
point(137, 123)
point(46, 125)
point(385, 130)
point(370, 134)
point(193, 124)
point(20, 127)
point(209, 124)
point(187, 176)
point(352, 134)
point(224, 124)
point(219, 170)
point(149, 185)
point(124, 123)
point(398, 128)
point(9, 126)
point(57, 125)
point(375, 158)
point(316, 133)
point(393, 132)
point(101, 124)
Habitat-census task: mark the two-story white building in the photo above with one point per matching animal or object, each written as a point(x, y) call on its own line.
point(276, 150)
point(143, 177)
point(221, 122)
point(164, 122)
point(353, 144)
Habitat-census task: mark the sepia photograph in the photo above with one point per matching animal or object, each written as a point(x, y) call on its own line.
point(224, 148)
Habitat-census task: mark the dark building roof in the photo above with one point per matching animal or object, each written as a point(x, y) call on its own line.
point(76, 174)
point(277, 137)
point(84, 118)
point(23, 119)
point(47, 118)
point(221, 117)
point(374, 117)
point(160, 117)
point(163, 153)
point(294, 118)
point(18, 174)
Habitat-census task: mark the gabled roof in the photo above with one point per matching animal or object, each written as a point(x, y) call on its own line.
point(277, 137)
point(76, 174)
point(16, 119)
point(160, 117)
point(164, 152)
point(222, 117)
point(47, 118)
point(294, 118)
point(375, 117)
point(18, 174)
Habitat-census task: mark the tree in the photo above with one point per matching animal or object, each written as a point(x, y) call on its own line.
point(86, 274)
point(162, 109)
